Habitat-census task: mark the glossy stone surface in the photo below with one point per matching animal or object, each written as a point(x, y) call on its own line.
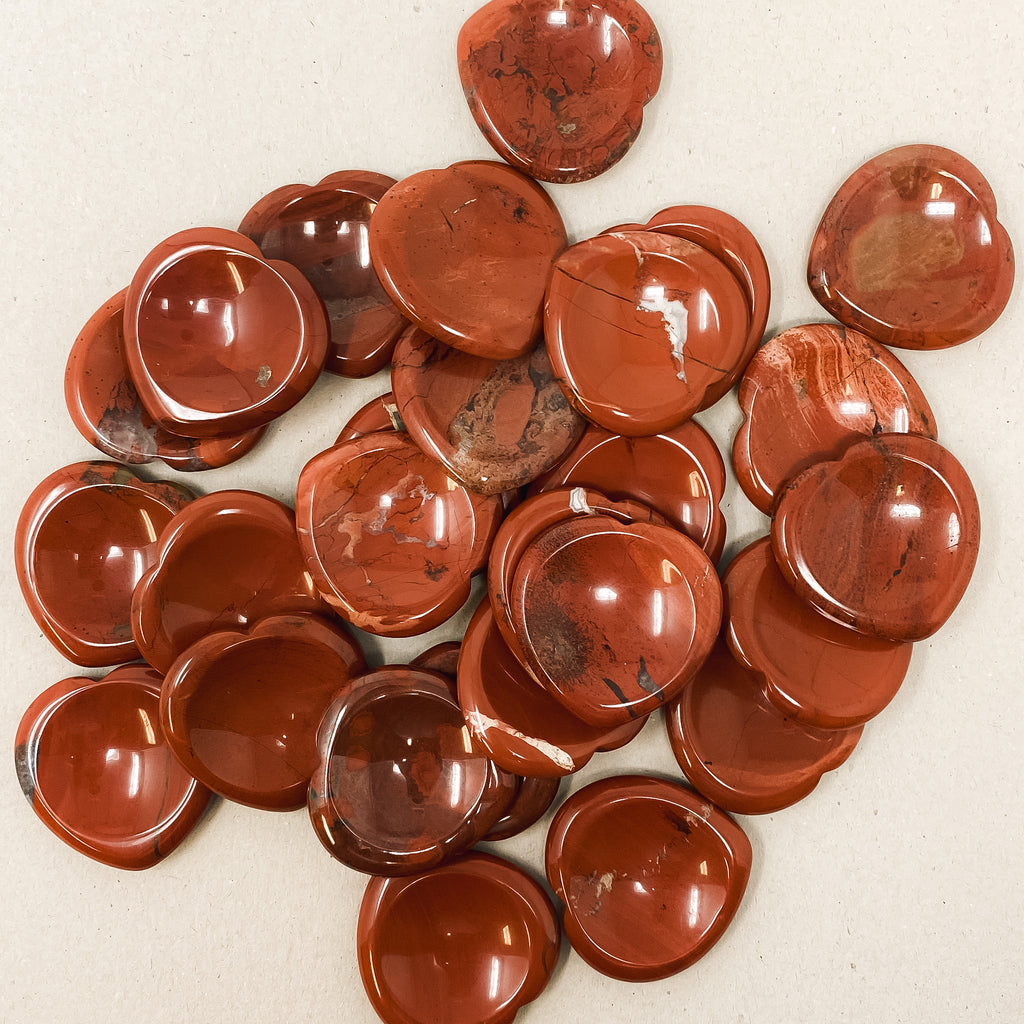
point(811, 391)
point(241, 709)
point(95, 767)
point(400, 787)
point(678, 473)
point(732, 242)
point(639, 326)
point(219, 339)
point(465, 252)
point(558, 88)
point(378, 414)
point(468, 943)
point(739, 750)
point(106, 409)
point(910, 251)
point(812, 669)
point(324, 230)
point(650, 874)
point(442, 657)
point(390, 539)
point(85, 537)
point(884, 539)
point(614, 618)
point(525, 524)
point(231, 560)
point(533, 798)
point(495, 425)
point(513, 718)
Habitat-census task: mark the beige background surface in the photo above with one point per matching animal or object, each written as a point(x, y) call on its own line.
point(893, 893)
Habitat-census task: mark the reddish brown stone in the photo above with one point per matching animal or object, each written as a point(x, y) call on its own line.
point(96, 768)
point(466, 252)
point(884, 539)
point(400, 787)
point(390, 539)
point(910, 250)
point(241, 709)
point(106, 409)
point(513, 718)
point(614, 618)
point(442, 657)
point(231, 560)
point(378, 414)
point(649, 872)
point(809, 393)
point(813, 670)
point(739, 750)
point(558, 87)
point(533, 798)
point(219, 339)
point(495, 425)
point(478, 937)
point(640, 325)
point(678, 473)
point(85, 537)
point(324, 230)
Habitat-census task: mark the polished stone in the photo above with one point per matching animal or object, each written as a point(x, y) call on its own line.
point(812, 669)
point(379, 413)
point(739, 750)
point(98, 772)
point(884, 539)
point(558, 88)
point(639, 326)
point(231, 560)
point(650, 874)
point(494, 425)
point(390, 539)
point(468, 943)
point(106, 409)
point(521, 726)
point(679, 473)
point(324, 230)
point(218, 338)
point(810, 392)
point(400, 787)
point(614, 618)
point(534, 797)
point(240, 710)
point(466, 252)
point(442, 657)
point(910, 251)
point(84, 539)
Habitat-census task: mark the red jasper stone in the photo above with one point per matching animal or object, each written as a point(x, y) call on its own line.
point(467, 943)
point(219, 339)
point(883, 539)
point(495, 425)
point(813, 670)
point(466, 252)
point(98, 772)
point(640, 325)
point(400, 786)
point(524, 524)
point(378, 414)
point(739, 750)
point(558, 87)
point(513, 718)
point(808, 393)
point(533, 798)
point(442, 657)
point(324, 230)
point(391, 540)
point(106, 409)
point(614, 618)
point(241, 709)
point(650, 874)
point(232, 560)
point(85, 537)
point(910, 250)
point(678, 473)
point(732, 242)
